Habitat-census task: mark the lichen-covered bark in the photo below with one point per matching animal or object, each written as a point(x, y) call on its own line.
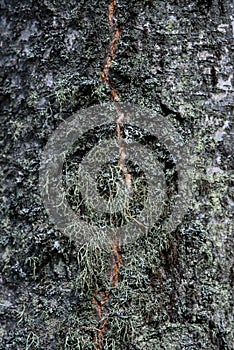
point(174, 291)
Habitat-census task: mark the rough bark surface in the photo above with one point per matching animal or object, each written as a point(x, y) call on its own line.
point(174, 291)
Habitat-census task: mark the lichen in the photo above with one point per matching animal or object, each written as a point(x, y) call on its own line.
point(174, 289)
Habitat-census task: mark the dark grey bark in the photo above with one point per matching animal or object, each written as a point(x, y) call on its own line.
point(175, 290)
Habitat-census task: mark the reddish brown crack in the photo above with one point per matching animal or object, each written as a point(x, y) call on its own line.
point(116, 263)
point(105, 73)
point(100, 299)
point(111, 55)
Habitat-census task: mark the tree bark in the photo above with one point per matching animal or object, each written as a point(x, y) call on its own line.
point(172, 290)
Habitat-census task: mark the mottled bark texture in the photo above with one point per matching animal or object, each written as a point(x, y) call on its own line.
point(175, 291)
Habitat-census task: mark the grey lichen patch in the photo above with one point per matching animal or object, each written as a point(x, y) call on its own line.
point(94, 264)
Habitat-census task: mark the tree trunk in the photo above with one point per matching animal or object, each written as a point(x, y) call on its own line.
point(165, 289)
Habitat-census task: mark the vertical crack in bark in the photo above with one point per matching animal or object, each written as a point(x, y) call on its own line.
point(99, 301)
point(116, 263)
point(101, 298)
point(105, 73)
point(111, 55)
